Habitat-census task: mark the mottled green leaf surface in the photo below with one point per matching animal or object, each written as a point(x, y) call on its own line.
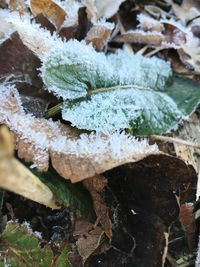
point(185, 92)
point(70, 195)
point(110, 92)
point(20, 248)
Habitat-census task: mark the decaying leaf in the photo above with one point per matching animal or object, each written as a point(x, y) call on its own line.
point(20, 247)
point(18, 61)
point(73, 158)
point(142, 204)
point(97, 9)
point(15, 177)
point(95, 185)
point(187, 220)
point(89, 238)
point(49, 9)
point(99, 35)
point(141, 37)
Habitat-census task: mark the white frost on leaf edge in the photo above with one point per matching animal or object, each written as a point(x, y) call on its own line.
point(118, 146)
point(37, 39)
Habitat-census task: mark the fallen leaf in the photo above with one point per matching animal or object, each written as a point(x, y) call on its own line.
point(73, 157)
point(187, 219)
point(18, 61)
point(141, 37)
point(95, 186)
point(97, 9)
point(142, 205)
point(187, 11)
point(20, 247)
point(89, 242)
point(49, 9)
point(99, 35)
point(15, 177)
point(74, 196)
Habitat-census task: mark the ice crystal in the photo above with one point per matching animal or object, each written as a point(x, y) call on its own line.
point(75, 68)
point(42, 138)
point(116, 91)
point(145, 111)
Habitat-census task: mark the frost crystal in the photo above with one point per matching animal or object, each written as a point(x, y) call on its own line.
point(73, 69)
point(145, 111)
point(80, 157)
point(110, 92)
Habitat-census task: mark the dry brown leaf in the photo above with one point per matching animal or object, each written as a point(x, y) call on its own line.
point(18, 5)
point(95, 186)
point(147, 23)
point(189, 130)
point(6, 142)
point(74, 158)
point(187, 11)
point(15, 177)
point(89, 241)
point(102, 9)
point(187, 220)
point(99, 35)
point(141, 37)
point(49, 9)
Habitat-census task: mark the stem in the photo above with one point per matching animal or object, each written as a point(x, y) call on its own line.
point(54, 110)
point(174, 140)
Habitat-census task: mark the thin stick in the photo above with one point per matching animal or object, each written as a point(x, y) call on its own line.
point(175, 140)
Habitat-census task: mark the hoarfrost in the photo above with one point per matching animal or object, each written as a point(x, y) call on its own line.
point(44, 138)
point(74, 68)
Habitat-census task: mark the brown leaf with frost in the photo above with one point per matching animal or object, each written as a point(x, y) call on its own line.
point(73, 157)
point(99, 35)
point(95, 186)
point(49, 9)
point(16, 178)
point(141, 37)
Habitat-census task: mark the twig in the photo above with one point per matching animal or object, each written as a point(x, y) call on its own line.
point(174, 140)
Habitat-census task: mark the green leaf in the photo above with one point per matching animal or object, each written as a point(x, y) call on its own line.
point(144, 111)
point(70, 195)
point(76, 69)
point(20, 247)
point(185, 92)
point(110, 92)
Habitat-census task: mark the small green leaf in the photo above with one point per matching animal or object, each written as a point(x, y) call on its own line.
point(185, 92)
point(70, 195)
point(19, 247)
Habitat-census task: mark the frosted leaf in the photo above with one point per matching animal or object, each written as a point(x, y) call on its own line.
point(37, 39)
point(99, 34)
point(74, 68)
point(144, 111)
point(117, 89)
point(74, 157)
